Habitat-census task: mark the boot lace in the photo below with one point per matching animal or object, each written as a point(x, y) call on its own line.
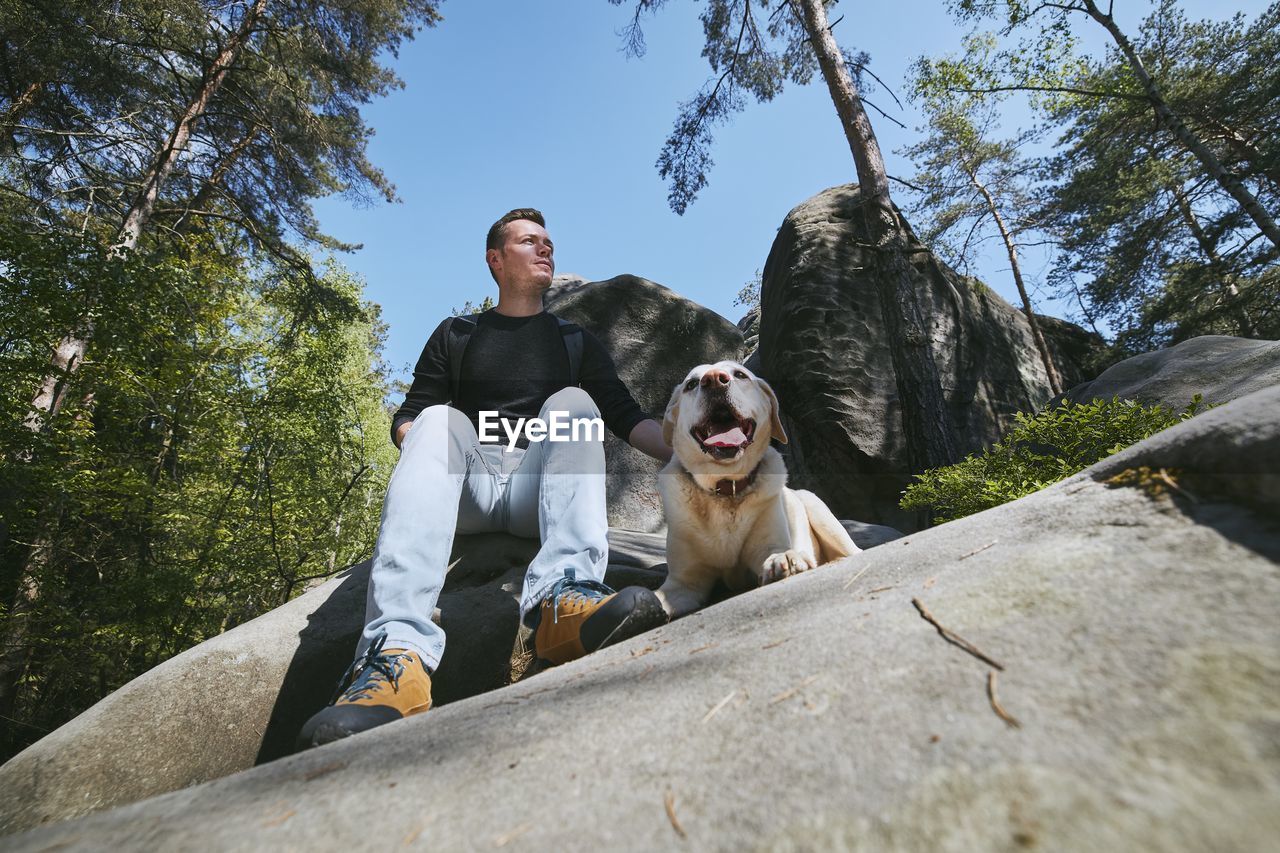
point(570, 588)
point(366, 675)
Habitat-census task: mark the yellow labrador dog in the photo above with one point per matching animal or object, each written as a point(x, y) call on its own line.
point(729, 513)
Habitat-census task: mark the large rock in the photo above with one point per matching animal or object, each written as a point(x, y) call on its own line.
point(240, 698)
point(1141, 657)
point(823, 347)
point(1218, 367)
point(654, 336)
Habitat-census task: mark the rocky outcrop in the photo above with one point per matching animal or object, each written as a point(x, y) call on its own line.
point(823, 348)
point(654, 336)
point(239, 699)
point(1132, 702)
point(1218, 368)
point(750, 328)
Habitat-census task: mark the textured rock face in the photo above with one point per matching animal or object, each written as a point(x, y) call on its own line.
point(1217, 367)
point(654, 336)
point(239, 699)
point(822, 346)
point(1141, 656)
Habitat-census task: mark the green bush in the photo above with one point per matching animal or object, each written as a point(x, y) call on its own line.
point(1040, 450)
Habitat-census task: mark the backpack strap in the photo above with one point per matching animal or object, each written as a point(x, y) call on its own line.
point(572, 336)
point(459, 335)
point(460, 329)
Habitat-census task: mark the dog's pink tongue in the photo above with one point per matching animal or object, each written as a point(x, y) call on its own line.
point(733, 438)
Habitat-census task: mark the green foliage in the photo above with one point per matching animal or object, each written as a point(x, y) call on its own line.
point(470, 307)
point(1039, 450)
point(749, 295)
point(1157, 248)
point(960, 163)
point(754, 47)
point(224, 439)
point(92, 91)
point(1151, 242)
point(234, 446)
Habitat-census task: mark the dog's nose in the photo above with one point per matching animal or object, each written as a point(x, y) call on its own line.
point(715, 378)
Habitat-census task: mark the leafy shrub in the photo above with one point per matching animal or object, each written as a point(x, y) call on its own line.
point(1040, 450)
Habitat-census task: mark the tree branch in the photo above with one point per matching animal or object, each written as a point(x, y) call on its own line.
point(1062, 89)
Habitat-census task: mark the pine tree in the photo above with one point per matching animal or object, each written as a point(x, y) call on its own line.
point(751, 57)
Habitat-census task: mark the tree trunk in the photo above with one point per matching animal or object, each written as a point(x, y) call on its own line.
point(19, 108)
point(219, 172)
point(1229, 292)
point(69, 355)
point(140, 212)
point(1055, 379)
point(1245, 150)
point(70, 351)
point(926, 421)
point(1229, 182)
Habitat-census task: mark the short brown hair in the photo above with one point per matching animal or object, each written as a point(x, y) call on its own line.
point(497, 231)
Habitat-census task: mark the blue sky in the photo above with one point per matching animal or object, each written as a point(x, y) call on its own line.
point(512, 103)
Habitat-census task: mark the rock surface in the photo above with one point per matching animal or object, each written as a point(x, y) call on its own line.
point(240, 698)
point(654, 336)
point(1141, 657)
point(162, 731)
point(823, 348)
point(1218, 367)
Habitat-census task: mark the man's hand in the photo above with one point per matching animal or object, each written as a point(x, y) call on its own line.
point(401, 432)
point(647, 438)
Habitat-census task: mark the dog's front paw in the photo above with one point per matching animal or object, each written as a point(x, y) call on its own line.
point(785, 564)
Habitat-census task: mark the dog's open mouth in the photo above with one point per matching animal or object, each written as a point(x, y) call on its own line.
point(723, 435)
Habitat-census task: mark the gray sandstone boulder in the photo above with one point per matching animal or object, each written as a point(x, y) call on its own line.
point(654, 336)
point(823, 348)
point(1218, 367)
point(1137, 705)
point(240, 698)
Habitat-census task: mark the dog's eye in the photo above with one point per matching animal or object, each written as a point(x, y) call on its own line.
point(739, 374)
point(691, 384)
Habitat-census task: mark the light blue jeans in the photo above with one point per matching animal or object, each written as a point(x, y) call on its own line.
point(447, 482)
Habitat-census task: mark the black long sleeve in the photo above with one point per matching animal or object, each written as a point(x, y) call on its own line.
point(599, 378)
point(430, 379)
point(511, 366)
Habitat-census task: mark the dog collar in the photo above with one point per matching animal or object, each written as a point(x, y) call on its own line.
point(728, 488)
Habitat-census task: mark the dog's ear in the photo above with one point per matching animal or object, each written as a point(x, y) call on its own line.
point(775, 420)
point(672, 415)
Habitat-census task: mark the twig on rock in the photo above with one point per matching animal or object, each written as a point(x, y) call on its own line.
point(719, 705)
point(670, 802)
point(323, 770)
point(1165, 476)
point(977, 550)
point(507, 837)
point(853, 579)
point(787, 694)
point(995, 702)
point(954, 639)
point(279, 819)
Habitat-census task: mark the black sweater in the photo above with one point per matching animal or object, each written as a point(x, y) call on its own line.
point(511, 366)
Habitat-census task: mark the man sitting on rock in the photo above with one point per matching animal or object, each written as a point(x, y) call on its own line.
point(520, 363)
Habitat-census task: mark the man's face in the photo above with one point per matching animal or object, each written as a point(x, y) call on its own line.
point(525, 261)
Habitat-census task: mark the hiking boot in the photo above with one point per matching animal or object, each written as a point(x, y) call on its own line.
point(577, 617)
point(384, 686)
